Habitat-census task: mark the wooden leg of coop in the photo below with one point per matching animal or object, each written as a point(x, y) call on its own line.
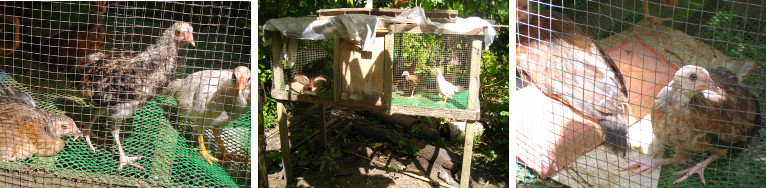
point(263, 180)
point(284, 140)
point(323, 130)
point(465, 174)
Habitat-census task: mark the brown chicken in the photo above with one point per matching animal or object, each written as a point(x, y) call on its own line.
point(318, 84)
point(64, 48)
point(699, 112)
point(119, 85)
point(26, 130)
point(410, 82)
point(562, 61)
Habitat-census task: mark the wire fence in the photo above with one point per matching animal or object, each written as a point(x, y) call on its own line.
point(693, 74)
point(56, 51)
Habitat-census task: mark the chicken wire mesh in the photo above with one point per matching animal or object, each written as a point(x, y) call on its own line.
point(424, 64)
point(309, 68)
point(46, 45)
point(648, 50)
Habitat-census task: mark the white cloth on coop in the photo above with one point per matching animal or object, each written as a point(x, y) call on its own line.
point(361, 28)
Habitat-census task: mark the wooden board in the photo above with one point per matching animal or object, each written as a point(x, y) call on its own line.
point(431, 112)
point(645, 71)
point(549, 135)
point(362, 73)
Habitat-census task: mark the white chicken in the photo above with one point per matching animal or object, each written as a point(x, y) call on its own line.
point(209, 99)
point(446, 89)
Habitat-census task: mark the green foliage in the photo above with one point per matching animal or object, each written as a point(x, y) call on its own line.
point(328, 159)
point(404, 146)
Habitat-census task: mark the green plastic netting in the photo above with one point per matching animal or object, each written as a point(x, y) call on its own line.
point(156, 131)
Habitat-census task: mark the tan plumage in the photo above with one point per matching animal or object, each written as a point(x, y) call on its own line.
point(557, 57)
point(411, 82)
point(211, 98)
point(26, 130)
point(701, 111)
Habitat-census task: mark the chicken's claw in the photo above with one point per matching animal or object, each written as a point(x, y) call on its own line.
point(640, 166)
point(647, 165)
point(230, 157)
point(87, 134)
point(125, 160)
point(208, 158)
point(696, 169)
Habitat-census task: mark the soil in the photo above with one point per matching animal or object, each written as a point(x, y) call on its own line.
point(352, 160)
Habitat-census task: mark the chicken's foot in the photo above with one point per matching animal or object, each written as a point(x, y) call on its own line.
point(124, 159)
point(204, 152)
point(647, 164)
point(699, 168)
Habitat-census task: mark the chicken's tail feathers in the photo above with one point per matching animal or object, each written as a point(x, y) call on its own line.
point(615, 130)
point(15, 95)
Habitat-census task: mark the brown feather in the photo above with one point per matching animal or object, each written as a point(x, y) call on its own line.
point(556, 56)
point(692, 119)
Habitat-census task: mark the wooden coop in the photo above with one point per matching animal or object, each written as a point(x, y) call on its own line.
point(401, 68)
point(49, 46)
point(655, 50)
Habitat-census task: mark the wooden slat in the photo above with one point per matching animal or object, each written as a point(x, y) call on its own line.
point(474, 80)
point(465, 172)
point(284, 140)
point(433, 112)
point(292, 96)
point(388, 75)
point(276, 64)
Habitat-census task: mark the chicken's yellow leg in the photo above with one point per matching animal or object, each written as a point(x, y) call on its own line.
point(204, 152)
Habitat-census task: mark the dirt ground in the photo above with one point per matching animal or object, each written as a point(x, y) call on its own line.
point(357, 161)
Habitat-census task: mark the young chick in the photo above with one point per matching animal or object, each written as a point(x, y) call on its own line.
point(318, 84)
point(211, 98)
point(411, 82)
point(26, 130)
point(118, 86)
point(446, 89)
point(701, 111)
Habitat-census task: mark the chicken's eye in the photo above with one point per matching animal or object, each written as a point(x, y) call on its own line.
point(693, 77)
point(178, 33)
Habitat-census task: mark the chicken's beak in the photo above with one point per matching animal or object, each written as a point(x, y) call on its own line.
point(79, 134)
point(189, 37)
point(241, 84)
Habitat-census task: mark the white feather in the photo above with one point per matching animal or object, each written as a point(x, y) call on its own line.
point(446, 89)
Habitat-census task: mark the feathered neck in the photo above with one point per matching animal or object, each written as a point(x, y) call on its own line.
point(167, 42)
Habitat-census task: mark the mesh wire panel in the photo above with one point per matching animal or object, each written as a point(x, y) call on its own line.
point(53, 36)
point(731, 128)
point(309, 69)
point(432, 70)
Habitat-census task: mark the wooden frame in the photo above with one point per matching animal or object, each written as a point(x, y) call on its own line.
point(356, 72)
